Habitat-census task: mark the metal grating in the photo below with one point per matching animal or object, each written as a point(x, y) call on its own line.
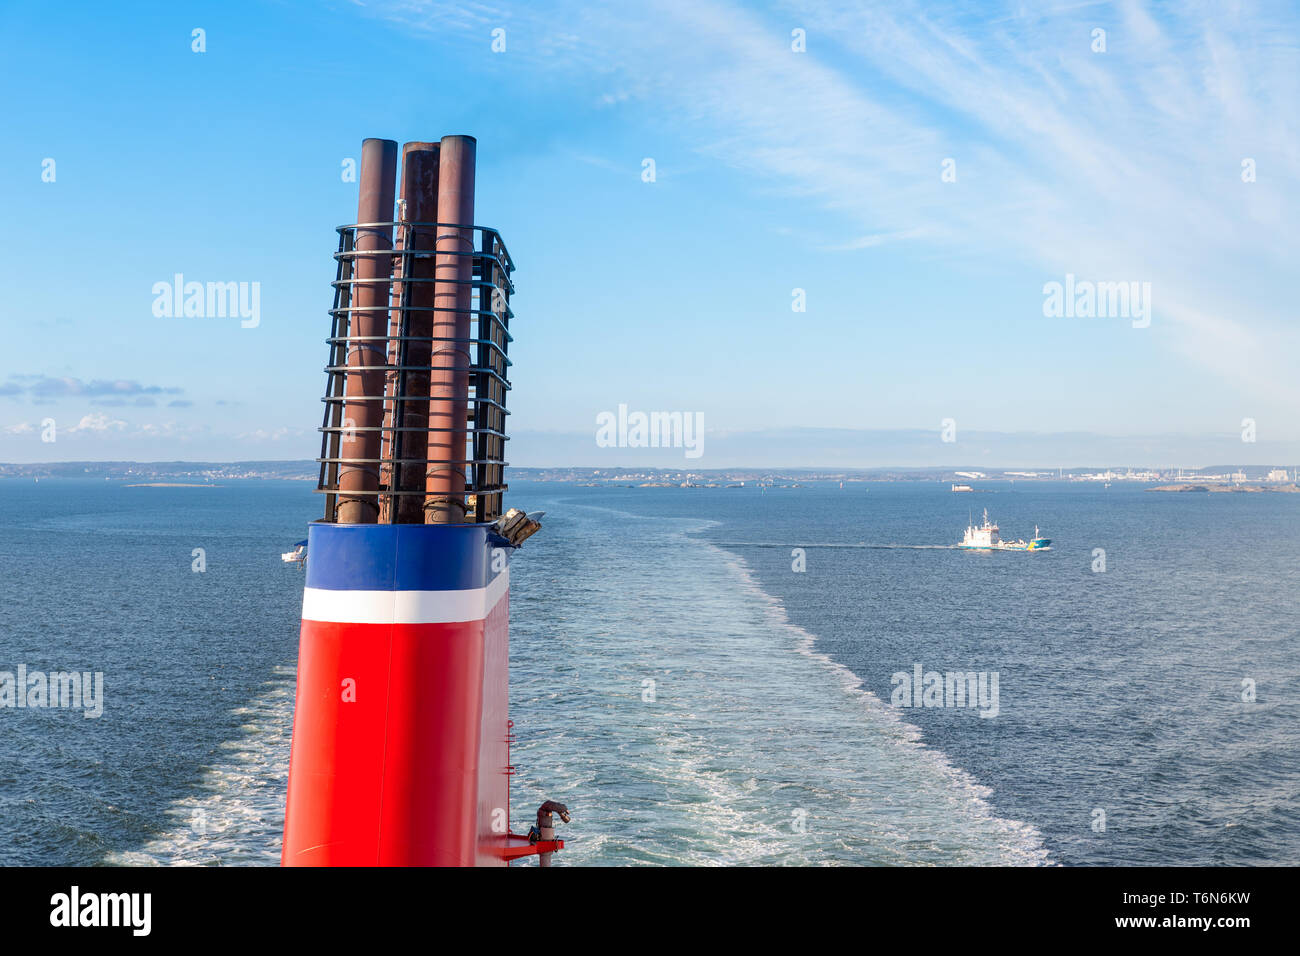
point(483, 462)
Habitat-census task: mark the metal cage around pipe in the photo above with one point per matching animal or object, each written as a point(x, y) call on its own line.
point(483, 358)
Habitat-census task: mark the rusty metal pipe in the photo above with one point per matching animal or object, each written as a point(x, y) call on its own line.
point(420, 195)
point(363, 406)
point(444, 501)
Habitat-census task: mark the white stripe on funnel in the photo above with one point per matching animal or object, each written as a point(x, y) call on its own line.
point(403, 607)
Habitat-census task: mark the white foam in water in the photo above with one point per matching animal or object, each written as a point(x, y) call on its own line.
point(1020, 841)
point(756, 749)
point(752, 734)
point(237, 815)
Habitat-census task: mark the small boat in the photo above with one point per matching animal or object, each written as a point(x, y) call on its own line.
point(985, 537)
point(962, 488)
point(298, 555)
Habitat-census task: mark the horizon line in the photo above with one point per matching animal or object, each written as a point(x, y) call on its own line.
point(978, 468)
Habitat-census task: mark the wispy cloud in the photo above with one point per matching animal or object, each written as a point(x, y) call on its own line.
point(100, 391)
point(101, 425)
point(1122, 164)
point(1125, 163)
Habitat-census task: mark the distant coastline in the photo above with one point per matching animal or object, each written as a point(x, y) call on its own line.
point(173, 484)
point(1236, 489)
point(1219, 477)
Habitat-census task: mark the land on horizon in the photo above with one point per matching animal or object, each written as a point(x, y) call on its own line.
point(166, 472)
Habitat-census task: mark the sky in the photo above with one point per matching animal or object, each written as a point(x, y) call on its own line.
point(915, 175)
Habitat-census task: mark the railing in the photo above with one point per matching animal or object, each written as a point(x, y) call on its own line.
point(414, 256)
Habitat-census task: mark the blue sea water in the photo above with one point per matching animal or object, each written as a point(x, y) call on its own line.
point(691, 697)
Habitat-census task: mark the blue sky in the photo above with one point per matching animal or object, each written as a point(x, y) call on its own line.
point(775, 170)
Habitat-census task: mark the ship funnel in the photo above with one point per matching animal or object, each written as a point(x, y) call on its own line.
point(401, 733)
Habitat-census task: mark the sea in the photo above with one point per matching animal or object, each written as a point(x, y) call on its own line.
point(705, 676)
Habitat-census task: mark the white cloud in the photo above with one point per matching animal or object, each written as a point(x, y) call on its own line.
point(1116, 165)
point(98, 422)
